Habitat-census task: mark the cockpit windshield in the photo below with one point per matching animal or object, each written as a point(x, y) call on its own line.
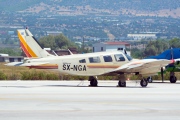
point(128, 57)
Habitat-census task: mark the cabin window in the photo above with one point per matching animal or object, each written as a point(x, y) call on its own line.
point(94, 60)
point(128, 57)
point(107, 58)
point(119, 57)
point(82, 61)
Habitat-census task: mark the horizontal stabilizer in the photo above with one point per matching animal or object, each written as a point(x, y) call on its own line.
point(25, 64)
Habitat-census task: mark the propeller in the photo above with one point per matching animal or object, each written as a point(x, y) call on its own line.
point(172, 62)
point(172, 57)
point(162, 74)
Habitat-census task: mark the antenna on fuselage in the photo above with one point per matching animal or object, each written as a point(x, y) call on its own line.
point(124, 50)
point(54, 53)
point(70, 52)
point(172, 56)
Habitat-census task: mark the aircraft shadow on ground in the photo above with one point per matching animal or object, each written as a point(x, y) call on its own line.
point(136, 85)
point(165, 83)
point(94, 87)
point(17, 86)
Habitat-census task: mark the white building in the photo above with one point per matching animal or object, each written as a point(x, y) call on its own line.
point(110, 46)
point(53, 33)
point(142, 36)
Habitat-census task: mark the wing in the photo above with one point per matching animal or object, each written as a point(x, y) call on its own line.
point(143, 67)
point(36, 65)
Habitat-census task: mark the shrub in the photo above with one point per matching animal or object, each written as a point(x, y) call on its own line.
point(13, 77)
point(25, 75)
point(2, 76)
point(51, 76)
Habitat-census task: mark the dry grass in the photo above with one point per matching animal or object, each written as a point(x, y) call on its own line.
point(17, 73)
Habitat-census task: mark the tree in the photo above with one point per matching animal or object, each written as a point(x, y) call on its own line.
point(62, 41)
point(10, 51)
point(155, 47)
point(136, 53)
point(56, 42)
point(174, 43)
point(48, 42)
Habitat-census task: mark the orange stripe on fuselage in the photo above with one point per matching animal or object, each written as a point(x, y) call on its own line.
point(45, 66)
point(26, 47)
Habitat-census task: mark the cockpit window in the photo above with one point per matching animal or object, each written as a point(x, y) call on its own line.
point(119, 57)
point(107, 58)
point(82, 61)
point(128, 57)
point(94, 60)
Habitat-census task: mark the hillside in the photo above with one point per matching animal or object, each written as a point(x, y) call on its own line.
point(148, 5)
point(103, 7)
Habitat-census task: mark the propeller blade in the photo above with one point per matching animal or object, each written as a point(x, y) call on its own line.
point(162, 74)
point(172, 56)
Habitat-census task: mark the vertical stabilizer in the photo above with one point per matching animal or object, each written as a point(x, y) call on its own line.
point(30, 45)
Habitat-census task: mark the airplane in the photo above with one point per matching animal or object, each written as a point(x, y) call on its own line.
point(89, 64)
point(173, 53)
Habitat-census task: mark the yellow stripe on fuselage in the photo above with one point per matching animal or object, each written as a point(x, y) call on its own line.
point(26, 46)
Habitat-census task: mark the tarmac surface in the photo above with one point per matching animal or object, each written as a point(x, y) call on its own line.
point(75, 100)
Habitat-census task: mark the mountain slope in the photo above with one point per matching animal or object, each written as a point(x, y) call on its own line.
point(142, 5)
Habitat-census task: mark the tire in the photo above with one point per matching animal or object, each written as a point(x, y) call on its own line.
point(93, 82)
point(144, 83)
point(173, 79)
point(122, 84)
point(149, 79)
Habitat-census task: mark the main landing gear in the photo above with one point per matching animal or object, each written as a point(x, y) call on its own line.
point(172, 78)
point(121, 83)
point(122, 80)
point(144, 82)
point(149, 79)
point(93, 81)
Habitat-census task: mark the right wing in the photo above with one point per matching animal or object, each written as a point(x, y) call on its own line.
point(143, 67)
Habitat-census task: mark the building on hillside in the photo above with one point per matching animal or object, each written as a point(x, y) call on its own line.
point(111, 46)
point(142, 36)
point(53, 33)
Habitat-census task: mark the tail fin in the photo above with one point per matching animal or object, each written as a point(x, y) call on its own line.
point(30, 45)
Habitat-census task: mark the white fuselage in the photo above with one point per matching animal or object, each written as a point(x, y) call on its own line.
point(90, 64)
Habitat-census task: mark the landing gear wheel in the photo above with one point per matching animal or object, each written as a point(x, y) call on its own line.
point(93, 81)
point(122, 84)
point(144, 83)
point(149, 79)
point(173, 79)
